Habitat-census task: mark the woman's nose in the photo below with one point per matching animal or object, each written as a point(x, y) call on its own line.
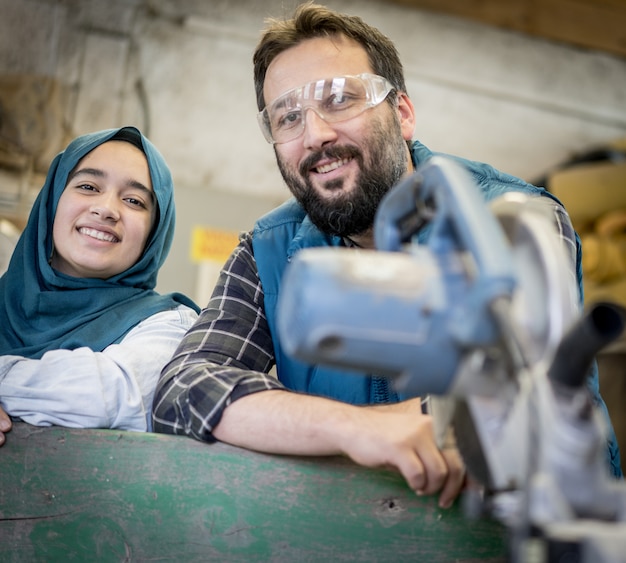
point(106, 207)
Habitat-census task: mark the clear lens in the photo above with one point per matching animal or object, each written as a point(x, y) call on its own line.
point(333, 99)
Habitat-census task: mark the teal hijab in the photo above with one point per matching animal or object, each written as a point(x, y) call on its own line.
point(42, 309)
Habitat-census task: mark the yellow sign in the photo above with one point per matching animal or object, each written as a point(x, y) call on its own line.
point(212, 244)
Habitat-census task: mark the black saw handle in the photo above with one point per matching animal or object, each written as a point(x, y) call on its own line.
point(598, 327)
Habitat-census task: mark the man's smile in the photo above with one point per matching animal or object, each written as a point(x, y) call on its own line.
point(325, 168)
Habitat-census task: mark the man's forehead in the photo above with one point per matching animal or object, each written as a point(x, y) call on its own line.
point(314, 59)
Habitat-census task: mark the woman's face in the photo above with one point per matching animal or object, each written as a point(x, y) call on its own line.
point(105, 213)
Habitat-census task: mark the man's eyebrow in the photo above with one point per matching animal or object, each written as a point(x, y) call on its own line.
point(279, 102)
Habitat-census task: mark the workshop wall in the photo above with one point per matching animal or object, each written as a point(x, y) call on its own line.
point(181, 71)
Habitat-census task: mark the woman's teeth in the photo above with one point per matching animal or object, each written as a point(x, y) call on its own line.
point(98, 234)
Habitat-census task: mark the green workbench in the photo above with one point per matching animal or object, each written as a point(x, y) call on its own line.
point(105, 495)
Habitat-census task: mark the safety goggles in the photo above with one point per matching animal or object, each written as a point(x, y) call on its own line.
point(333, 99)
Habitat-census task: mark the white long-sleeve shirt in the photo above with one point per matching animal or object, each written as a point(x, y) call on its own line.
point(86, 389)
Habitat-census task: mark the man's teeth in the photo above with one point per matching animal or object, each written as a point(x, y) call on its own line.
point(332, 166)
point(98, 234)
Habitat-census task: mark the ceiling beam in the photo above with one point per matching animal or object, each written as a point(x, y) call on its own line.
point(592, 24)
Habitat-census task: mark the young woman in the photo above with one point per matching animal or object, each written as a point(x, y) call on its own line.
point(83, 334)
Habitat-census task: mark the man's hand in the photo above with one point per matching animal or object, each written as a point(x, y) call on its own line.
point(397, 436)
point(403, 439)
point(5, 425)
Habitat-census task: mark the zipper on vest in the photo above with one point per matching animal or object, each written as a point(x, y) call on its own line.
point(381, 391)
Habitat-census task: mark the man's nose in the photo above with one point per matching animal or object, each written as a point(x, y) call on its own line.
point(317, 131)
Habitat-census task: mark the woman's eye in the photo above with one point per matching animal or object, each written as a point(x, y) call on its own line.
point(136, 202)
point(86, 187)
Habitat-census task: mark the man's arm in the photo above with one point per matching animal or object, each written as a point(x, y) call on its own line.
point(398, 438)
point(227, 354)
point(217, 386)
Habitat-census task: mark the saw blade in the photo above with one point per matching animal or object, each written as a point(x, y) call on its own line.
point(545, 301)
point(469, 445)
point(543, 306)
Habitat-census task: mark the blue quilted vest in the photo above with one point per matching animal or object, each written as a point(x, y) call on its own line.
point(278, 236)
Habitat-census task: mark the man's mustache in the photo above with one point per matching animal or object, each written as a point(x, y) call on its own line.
point(336, 152)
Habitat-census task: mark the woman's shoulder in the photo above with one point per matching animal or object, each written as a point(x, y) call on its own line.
point(186, 314)
point(181, 316)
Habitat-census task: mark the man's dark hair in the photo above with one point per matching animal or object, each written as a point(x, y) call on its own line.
point(313, 20)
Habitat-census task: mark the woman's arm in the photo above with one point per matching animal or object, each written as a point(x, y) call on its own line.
point(86, 389)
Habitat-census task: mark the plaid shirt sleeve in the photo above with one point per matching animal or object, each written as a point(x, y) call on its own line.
point(227, 354)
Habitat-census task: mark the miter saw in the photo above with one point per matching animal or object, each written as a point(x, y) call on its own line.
point(466, 302)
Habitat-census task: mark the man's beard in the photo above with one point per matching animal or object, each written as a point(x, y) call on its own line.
point(353, 213)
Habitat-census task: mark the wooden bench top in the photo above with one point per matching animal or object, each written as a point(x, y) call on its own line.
point(106, 495)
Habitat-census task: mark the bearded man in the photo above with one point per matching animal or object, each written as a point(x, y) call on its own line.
point(333, 104)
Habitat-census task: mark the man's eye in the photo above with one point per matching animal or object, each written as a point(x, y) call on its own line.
point(339, 101)
point(288, 120)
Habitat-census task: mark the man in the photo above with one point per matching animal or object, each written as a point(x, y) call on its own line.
point(334, 105)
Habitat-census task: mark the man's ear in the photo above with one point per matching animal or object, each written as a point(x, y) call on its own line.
point(406, 113)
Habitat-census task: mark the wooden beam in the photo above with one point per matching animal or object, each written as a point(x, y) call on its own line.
point(592, 24)
point(105, 495)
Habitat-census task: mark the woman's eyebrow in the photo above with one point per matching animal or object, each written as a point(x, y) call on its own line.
point(139, 186)
point(87, 171)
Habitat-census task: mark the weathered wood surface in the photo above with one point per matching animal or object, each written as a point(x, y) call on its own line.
point(104, 495)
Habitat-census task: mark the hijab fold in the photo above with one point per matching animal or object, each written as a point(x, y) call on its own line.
point(42, 309)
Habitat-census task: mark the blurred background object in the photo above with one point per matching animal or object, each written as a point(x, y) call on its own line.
point(592, 185)
point(9, 234)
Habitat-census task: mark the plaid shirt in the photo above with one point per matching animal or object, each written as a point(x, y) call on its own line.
point(228, 353)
